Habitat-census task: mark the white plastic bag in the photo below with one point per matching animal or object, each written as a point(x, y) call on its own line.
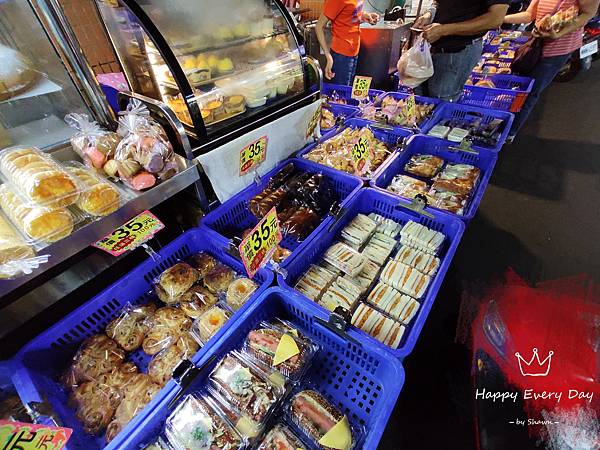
point(415, 65)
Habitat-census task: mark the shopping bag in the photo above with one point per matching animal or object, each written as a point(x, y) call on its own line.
point(415, 65)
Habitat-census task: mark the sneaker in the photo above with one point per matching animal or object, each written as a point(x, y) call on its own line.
point(510, 138)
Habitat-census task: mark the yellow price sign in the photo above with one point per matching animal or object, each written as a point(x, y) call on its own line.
point(360, 87)
point(411, 106)
point(360, 155)
point(28, 436)
point(131, 234)
point(253, 155)
point(260, 244)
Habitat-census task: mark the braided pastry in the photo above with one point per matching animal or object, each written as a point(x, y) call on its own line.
point(168, 324)
point(130, 327)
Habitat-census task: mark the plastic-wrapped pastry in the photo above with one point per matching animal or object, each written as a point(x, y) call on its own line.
point(379, 248)
point(38, 176)
point(175, 281)
point(39, 223)
point(95, 145)
point(447, 200)
point(374, 323)
point(314, 282)
point(426, 166)
point(219, 278)
point(398, 306)
point(245, 387)
point(12, 247)
point(162, 365)
point(301, 223)
point(345, 258)
point(198, 424)
point(420, 237)
point(457, 178)
point(423, 262)
point(281, 437)
point(388, 227)
point(16, 73)
point(140, 391)
point(408, 187)
point(166, 327)
point(96, 356)
point(327, 119)
point(316, 417)
point(100, 198)
point(209, 323)
point(279, 350)
point(239, 291)
point(406, 279)
point(97, 400)
point(203, 263)
point(342, 293)
point(196, 300)
point(358, 231)
point(129, 328)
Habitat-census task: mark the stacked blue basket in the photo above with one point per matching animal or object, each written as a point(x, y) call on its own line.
point(425, 125)
point(345, 92)
point(43, 360)
point(374, 201)
point(359, 379)
point(425, 145)
point(510, 92)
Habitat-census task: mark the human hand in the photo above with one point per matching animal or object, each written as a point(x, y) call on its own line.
point(434, 32)
point(329, 66)
point(422, 21)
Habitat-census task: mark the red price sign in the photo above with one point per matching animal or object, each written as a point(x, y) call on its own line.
point(253, 155)
point(258, 247)
point(131, 234)
point(360, 87)
point(27, 436)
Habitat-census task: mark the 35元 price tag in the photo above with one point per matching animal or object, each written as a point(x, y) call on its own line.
point(27, 436)
point(253, 155)
point(258, 247)
point(130, 235)
point(360, 87)
point(360, 155)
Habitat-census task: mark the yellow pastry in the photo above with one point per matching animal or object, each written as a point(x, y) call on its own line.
point(39, 177)
point(12, 247)
point(235, 104)
point(100, 198)
point(212, 62)
point(189, 62)
point(39, 223)
point(207, 116)
point(225, 65)
point(216, 106)
point(200, 60)
point(241, 30)
point(224, 33)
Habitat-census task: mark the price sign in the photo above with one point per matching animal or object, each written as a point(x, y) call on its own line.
point(360, 155)
point(27, 436)
point(253, 155)
point(258, 247)
point(411, 106)
point(360, 87)
point(131, 234)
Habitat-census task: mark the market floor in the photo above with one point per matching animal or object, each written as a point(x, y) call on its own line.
point(540, 216)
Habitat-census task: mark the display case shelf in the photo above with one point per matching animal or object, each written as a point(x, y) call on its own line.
point(93, 231)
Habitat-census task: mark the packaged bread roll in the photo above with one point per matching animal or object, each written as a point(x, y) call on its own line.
point(12, 247)
point(98, 197)
point(38, 177)
point(37, 222)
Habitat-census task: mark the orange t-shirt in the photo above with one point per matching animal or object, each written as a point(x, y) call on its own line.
point(345, 17)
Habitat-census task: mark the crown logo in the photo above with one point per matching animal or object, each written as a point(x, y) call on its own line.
point(535, 367)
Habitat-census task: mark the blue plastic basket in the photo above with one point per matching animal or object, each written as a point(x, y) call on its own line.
point(234, 214)
point(393, 136)
point(484, 160)
point(461, 112)
point(373, 200)
point(41, 362)
point(340, 112)
point(425, 125)
point(360, 379)
point(345, 92)
point(509, 94)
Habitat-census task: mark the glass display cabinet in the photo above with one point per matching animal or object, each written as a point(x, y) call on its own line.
point(221, 65)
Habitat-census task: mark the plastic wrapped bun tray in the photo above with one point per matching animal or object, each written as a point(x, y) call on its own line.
point(360, 380)
point(40, 363)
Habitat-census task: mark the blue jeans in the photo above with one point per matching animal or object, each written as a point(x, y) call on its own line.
point(544, 72)
point(451, 71)
point(344, 68)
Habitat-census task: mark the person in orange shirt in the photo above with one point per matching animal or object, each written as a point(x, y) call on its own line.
point(342, 55)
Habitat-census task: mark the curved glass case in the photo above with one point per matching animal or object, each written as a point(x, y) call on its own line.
point(217, 63)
